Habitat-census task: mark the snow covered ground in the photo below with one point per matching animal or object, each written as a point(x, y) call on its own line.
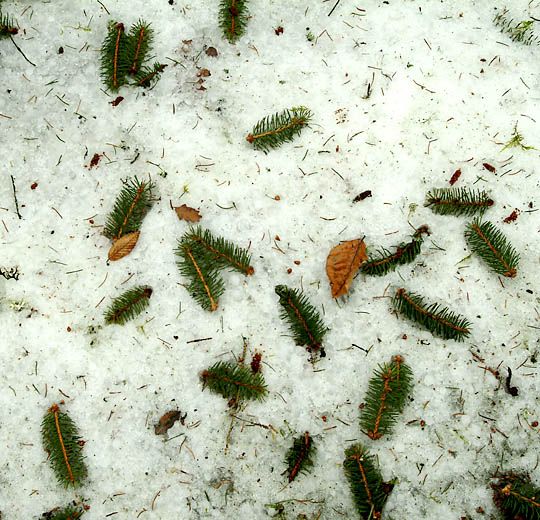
point(447, 89)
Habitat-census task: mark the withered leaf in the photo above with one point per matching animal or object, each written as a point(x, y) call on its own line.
point(123, 246)
point(203, 73)
point(211, 51)
point(166, 422)
point(342, 264)
point(188, 214)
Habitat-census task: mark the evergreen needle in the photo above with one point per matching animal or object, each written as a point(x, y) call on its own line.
point(128, 305)
point(129, 209)
point(369, 490)
point(304, 320)
point(517, 497)
point(458, 201)
point(61, 441)
point(234, 382)
point(233, 18)
point(439, 320)
point(492, 247)
point(274, 130)
point(386, 261)
point(387, 393)
point(299, 458)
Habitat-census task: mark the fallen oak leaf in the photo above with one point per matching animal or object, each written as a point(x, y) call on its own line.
point(342, 264)
point(188, 214)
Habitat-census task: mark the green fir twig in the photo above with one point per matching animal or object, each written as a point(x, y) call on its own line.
point(221, 253)
point(458, 201)
point(7, 25)
point(70, 512)
point(517, 31)
point(205, 284)
point(387, 394)
point(492, 247)
point(63, 444)
point(128, 305)
point(233, 18)
point(124, 55)
point(304, 320)
point(516, 141)
point(148, 76)
point(439, 320)
point(115, 56)
point(279, 128)
point(130, 208)
point(517, 497)
point(385, 261)
point(139, 42)
point(299, 457)
point(234, 381)
point(368, 489)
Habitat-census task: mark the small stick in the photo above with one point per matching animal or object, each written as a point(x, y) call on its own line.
point(15, 197)
point(19, 49)
point(334, 8)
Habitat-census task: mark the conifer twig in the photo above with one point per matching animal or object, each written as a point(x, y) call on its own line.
point(386, 396)
point(386, 261)
point(299, 458)
point(304, 320)
point(65, 513)
point(129, 209)
point(458, 201)
point(128, 305)
point(220, 252)
point(433, 317)
point(233, 17)
point(234, 382)
point(114, 56)
point(141, 35)
point(369, 491)
point(517, 497)
point(492, 247)
point(7, 26)
point(517, 31)
point(148, 76)
point(281, 127)
point(206, 286)
point(61, 441)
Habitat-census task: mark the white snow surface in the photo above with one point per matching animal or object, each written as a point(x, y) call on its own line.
point(448, 89)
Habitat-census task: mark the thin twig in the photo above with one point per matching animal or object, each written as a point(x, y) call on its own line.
point(20, 50)
point(15, 197)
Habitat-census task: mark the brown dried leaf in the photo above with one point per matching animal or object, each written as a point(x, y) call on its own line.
point(123, 246)
point(188, 214)
point(203, 73)
point(211, 51)
point(342, 264)
point(166, 422)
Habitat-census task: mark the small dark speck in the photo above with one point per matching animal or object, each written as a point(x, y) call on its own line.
point(529, 291)
point(61, 50)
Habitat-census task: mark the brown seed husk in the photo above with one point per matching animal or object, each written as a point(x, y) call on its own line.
point(123, 246)
point(342, 264)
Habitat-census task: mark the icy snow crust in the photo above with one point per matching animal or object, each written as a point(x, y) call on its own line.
point(448, 89)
